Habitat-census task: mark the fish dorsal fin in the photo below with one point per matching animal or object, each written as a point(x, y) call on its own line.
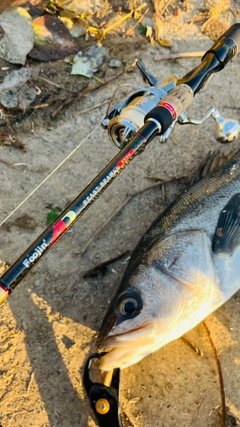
point(227, 234)
point(211, 162)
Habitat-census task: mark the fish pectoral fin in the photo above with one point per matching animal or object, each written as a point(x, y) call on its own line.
point(227, 234)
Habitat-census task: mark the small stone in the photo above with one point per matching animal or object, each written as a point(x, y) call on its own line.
point(88, 63)
point(115, 63)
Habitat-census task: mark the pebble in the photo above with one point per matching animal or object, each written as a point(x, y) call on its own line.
point(115, 63)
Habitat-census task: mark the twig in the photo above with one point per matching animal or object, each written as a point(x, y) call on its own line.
point(98, 80)
point(165, 7)
point(193, 347)
point(39, 136)
point(20, 166)
point(51, 83)
point(224, 413)
point(100, 34)
point(30, 382)
point(93, 107)
point(8, 139)
point(179, 55)
point(231, 107)
point(166, 181)
point(70, 99)
point(173, 139)
point(197, 410)
point(36, 107)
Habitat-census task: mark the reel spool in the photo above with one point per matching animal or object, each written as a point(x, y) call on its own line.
point(124, 126)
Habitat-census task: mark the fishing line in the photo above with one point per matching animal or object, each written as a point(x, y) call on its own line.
point(54, 170)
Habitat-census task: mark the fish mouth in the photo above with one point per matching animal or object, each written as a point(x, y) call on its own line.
point(140, 333)
point(125, 349)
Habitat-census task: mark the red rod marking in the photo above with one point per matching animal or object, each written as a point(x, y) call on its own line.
point(58, 229)
point(170, 108)
point(125, 158)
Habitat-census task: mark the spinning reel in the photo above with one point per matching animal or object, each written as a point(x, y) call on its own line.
point(124, 121)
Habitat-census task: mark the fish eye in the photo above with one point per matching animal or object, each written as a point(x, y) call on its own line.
point(128, 306)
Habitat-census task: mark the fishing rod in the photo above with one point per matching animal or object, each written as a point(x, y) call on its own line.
point(131, 125)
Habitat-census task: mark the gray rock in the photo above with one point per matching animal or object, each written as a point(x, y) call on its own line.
point(16, 35)
point(88, 63)
point(15, 91)
point(115, 63)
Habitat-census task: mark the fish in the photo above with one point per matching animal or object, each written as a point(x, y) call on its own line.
point(185, 266)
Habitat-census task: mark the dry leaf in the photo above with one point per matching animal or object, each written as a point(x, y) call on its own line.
point(52, 39)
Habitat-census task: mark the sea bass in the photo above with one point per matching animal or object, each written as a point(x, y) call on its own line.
point(185, 266)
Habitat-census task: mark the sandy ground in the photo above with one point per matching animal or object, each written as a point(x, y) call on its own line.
point(49, 324)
